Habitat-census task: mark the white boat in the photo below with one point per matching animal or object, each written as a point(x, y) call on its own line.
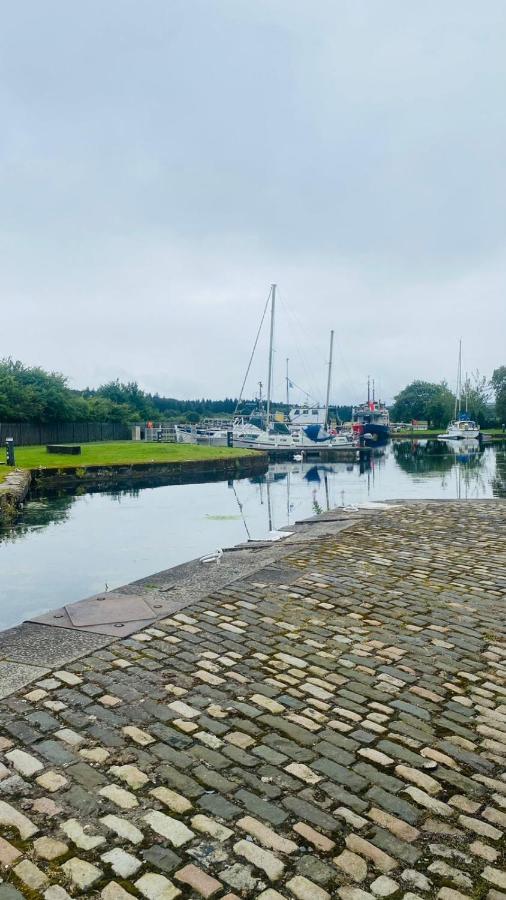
point(188, 434)
point(279, 437)
point(304, 414)
point(462, 427)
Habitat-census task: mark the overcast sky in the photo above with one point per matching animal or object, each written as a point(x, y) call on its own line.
point(161, 163)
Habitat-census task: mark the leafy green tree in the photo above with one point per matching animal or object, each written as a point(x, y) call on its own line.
point(476, 394)
point(343, 413)
point(29, 394)
point(129, 395)
point(498, 382)
point(100, 409)
point(440, 409)
point(426, 401)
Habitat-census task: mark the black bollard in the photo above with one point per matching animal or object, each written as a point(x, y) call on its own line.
point(9, 449)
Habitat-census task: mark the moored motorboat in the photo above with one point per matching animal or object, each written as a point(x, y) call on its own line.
point(371, 420)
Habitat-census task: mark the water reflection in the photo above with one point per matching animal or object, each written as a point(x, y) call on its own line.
point(67, 546)
point(423, 457)
point(463, 465)
point(499, 479)
point(37, 514)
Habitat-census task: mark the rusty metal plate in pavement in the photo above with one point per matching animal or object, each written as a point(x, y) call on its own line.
point(59, 618)
point(107, 609)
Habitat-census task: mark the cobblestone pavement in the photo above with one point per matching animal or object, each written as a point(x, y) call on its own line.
point(342, 734)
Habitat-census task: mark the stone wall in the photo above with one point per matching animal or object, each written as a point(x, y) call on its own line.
point(12, 493)
point(162, 473)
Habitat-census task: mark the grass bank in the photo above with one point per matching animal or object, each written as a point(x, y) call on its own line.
point(433, 433)
point(119, 453)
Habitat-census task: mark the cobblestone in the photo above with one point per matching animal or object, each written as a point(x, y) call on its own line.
point(343, 736)
point(262, 859)
point(82, 874)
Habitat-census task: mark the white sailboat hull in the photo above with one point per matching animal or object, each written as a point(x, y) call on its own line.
point(265, 441)
point(458, 437)
point(459, 431)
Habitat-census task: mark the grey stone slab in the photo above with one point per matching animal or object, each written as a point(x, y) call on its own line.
point(90, 778)
point(162, 858)
point(273, 575)
point(316, 870)
point(342, 796)
point(261, 808)
point(395, 847)
point(15, 675)
point(15, 786)
point(309, 813)
point(86, 803)
point(217, 805)
point(55, 752)
point(183, 784)
point(9, 892)
point(394, 805)
point(49, 646)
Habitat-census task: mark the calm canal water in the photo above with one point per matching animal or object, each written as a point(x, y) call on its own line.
point(68, 547)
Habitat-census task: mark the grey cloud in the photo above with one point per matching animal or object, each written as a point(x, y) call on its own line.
point(161, 164)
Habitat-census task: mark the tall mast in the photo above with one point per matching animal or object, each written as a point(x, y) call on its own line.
point(329, 379)
point(368, 389)
point(287, 385)
point(271, 344)
point(459, 382)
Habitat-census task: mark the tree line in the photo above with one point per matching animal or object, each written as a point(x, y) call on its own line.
point(30, 394)
point(484, 401)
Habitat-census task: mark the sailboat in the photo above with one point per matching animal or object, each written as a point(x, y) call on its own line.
point(269, 435)
point(462, 426)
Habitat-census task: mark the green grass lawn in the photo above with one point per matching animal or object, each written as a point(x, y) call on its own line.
point(117, 453)
point(398, 435)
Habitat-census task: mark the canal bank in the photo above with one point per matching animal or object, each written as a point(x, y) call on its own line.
point(307, 719)
point(177, 472)
point(487, 437)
